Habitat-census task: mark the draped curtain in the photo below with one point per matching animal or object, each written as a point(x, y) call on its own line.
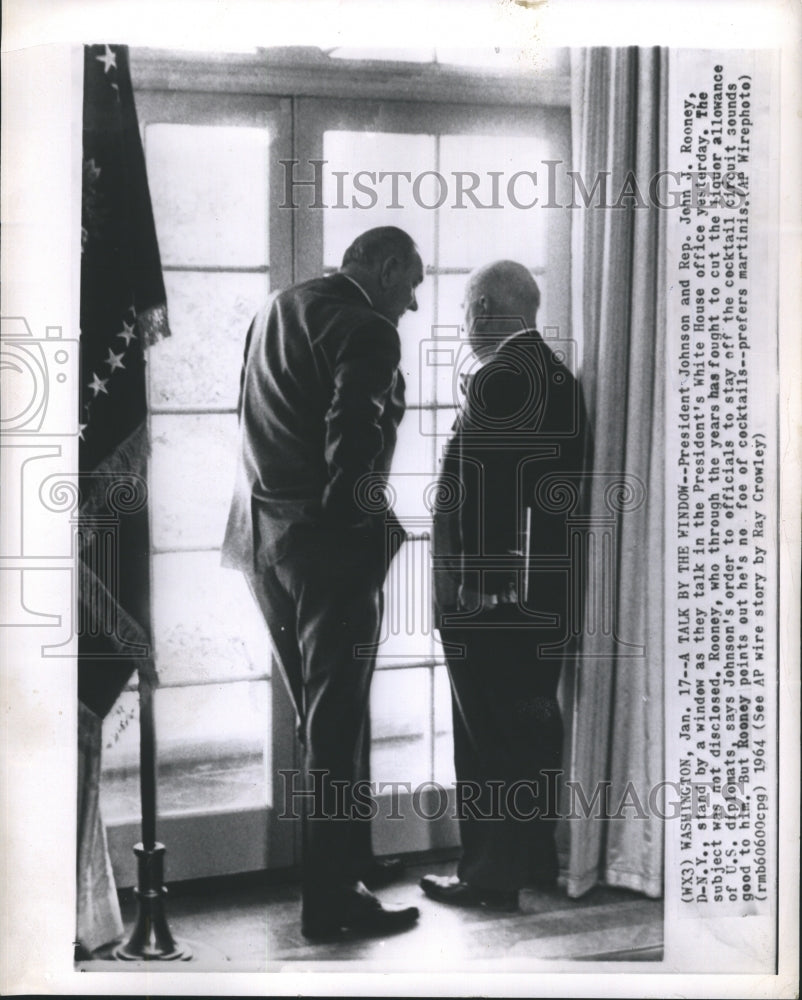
point(616, 724)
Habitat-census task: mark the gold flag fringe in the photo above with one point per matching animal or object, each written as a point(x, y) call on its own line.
point(153, 325)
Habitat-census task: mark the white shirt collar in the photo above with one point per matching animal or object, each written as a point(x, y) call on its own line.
point(355, 282)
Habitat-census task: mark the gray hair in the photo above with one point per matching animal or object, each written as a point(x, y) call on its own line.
point(376, 245)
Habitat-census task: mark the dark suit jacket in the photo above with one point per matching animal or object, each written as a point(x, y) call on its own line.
point(321, 398)
point(523, 419)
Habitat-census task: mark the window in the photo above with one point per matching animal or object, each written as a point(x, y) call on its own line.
point(410, 697)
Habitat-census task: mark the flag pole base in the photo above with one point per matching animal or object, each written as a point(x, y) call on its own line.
point(151, 939)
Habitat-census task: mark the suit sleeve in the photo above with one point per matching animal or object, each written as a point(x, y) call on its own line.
point(364, 375)
point(245, 353)
point(259, 322)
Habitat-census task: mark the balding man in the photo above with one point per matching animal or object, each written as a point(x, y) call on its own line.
point(498, 606)
point(321, 398)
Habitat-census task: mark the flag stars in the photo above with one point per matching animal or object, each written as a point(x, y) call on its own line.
point(114, 361)
point(81, 429)
point(109, 59)
point(127, 333)
point(98, 385)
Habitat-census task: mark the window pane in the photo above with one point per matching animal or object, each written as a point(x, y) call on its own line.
point(472, 236)
point(415, 329)
point(191, 478)
point(209, 186)
point(449, 353)
point(400, 712)
point(413, 467)
point(376, 152)
point(206, 762)
point(406, 634)
point(199, 364)
point(206, 623)
point(450, 297)
point(444, 430)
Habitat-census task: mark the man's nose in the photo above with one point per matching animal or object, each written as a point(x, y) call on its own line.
point(413, 304)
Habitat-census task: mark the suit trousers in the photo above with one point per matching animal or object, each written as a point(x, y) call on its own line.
point(322, 600)
point(508, 737)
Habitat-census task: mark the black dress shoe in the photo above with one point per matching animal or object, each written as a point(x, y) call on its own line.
point(356, 911)
point(451, 890)
point(382, 873)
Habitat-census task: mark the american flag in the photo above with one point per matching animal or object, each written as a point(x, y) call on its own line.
point(123, 309)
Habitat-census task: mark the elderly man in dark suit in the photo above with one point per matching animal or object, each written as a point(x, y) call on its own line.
point(321, 399)
point(502, 594)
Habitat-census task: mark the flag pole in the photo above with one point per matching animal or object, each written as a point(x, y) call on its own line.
point(151, 937)
point(147, 764)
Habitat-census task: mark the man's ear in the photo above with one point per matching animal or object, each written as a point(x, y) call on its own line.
point(389, 271)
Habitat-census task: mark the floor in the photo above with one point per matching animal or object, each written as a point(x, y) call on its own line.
point(244, 924)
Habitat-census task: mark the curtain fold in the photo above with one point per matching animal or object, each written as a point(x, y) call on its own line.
point(616, 731)
point(99, 918)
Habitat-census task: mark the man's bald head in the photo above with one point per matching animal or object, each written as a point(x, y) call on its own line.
point(509, 288)
point(500, 299)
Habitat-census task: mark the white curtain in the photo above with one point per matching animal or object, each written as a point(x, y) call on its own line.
point(99, 919)
point(615, 729)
